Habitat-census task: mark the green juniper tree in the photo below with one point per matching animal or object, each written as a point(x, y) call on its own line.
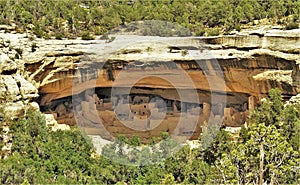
point(265, 152)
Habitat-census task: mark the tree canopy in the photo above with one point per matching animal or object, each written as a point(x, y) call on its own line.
point(267, 151)
point(71, 18)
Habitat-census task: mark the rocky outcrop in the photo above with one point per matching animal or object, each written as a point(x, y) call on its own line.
point(294, 100)
point(8, 28)
point(16, 92)
point(264, 69)
point(274, 40)
point(51, 122)
point(237, 70)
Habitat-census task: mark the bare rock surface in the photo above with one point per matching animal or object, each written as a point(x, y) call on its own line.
point(294, 100)
point(16, 91)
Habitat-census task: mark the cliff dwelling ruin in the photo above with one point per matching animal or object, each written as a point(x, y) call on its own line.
point(147, 85)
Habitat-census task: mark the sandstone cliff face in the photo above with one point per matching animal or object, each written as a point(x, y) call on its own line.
point(246, 69)
point(236, 71)
point(274, 40)
point(17, 94)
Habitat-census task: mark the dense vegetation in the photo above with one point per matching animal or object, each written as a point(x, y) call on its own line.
point(72, 18)
point(266, 152)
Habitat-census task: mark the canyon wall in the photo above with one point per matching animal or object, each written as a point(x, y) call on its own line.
point(230, 75)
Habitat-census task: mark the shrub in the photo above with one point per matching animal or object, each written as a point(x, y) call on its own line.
point(59, 36)
point(291, 25)
point(71, 36)
point(38, 31)
point(184, 52)
point(200, 32)
point(46, 36)
point(86, 36)
point(213, 32)
point(280, 21)
point(38, 154)
point(19, 51)
point(295, 18)
point(33, 47)
point(237, 27)
point(31, 38)
point(98, 30)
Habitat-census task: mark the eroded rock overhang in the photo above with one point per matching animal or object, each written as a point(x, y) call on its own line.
point(252, 72)
point(235, 70)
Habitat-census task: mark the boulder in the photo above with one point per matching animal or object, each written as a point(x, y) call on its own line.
point(13, 110)
point(6, 64)
point(27, 89)
point(294, 100)
point(3, 90)
point(50, 121)
point(34, 106)
point(12, 89)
